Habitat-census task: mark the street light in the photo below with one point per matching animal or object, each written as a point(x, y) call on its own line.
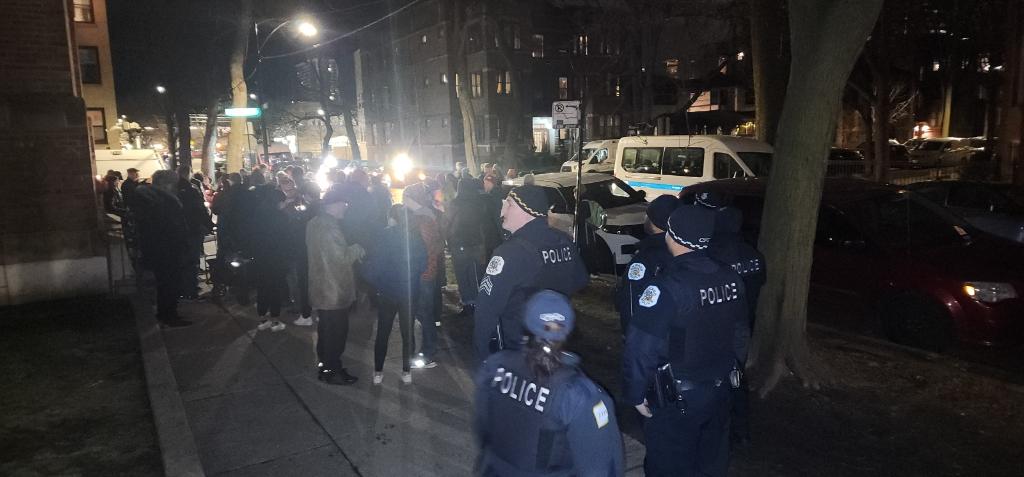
point(306, 29)
point(160, 89)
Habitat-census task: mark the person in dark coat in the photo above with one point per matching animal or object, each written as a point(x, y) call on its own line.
point(197, 225)
point(393, 269)
point(163, 242)
point(493, 198)
point(467, 239)
point(270, 255)
point(298, 212)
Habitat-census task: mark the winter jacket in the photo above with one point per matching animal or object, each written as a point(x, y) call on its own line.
point(332, 284)
point(394, 267)
point(161, 227)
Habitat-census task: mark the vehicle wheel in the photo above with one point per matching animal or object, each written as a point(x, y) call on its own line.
point(914, 320)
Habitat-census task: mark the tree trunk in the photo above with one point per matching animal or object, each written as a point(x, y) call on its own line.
point(239, 90)
point(325, 142)
point(172, 141)
point(826, 39)
point(350, 131)
point(184, 138)
point(210, 141)
point(462, 71)
point(770, 62)
point(881, 108)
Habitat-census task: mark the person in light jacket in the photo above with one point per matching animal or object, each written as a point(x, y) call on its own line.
point(332, 282)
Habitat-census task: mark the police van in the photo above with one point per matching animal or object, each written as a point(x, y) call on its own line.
point(661, 165)
point(598, 156)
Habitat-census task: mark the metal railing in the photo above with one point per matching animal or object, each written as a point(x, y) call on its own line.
point(979, 171)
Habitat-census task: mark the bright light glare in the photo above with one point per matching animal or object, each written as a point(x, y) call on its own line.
point(161, 89)
point(236, 263)
point(307, 29)
point(422, 176)
point(252, 95)
point(970, 290)
point(330, 162)
point(401, 165)
point(319, 112)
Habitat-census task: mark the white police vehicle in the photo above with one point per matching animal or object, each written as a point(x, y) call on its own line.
point(598, 156)
point(614, 231)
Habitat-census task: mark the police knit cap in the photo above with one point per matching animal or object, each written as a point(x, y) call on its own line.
point(531, 199)
point(710, 199)
point(692, 226)
point(549, 316)
point(660, 209)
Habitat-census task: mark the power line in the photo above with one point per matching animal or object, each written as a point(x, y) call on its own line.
point(344, 35)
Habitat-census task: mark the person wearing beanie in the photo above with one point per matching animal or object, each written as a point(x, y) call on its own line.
point(687, 338)
point(534, 257)
point(419, 200)
point(729, 249)
point(648, 261)
point(525, 396)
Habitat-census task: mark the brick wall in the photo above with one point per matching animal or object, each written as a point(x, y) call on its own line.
point(49, 225)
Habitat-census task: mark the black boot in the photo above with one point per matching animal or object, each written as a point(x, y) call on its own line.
point(339, 377)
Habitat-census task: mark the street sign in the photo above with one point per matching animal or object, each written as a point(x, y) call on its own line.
point(242, 112)
point(565, 114)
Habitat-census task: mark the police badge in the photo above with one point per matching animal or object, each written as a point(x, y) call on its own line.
point(495, 265)
point(650, 296)
point(636, 271)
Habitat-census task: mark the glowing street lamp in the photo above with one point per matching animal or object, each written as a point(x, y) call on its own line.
point(307, 29)
point(160, 89)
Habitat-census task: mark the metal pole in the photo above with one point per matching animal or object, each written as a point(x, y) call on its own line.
point(261, 95)
point(577, 217)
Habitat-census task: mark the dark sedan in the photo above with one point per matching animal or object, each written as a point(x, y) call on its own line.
point(929, 277)
point(991, 208)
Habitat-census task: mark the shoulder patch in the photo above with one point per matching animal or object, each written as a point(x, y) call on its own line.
point(486, 286)
point(495, 266)
point(637, 271)
point(650, 296)
point(600, 414)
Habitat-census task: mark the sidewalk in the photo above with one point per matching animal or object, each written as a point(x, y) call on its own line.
point(255, 407)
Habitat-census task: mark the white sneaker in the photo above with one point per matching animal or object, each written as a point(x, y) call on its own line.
point(264, 325)
point(406, 377)
point(307, 321)
point(277, 326)
point(378, 378)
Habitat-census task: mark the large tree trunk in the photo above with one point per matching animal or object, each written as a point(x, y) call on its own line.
point(210, 141)
point(881, 109)
point(172, 140)
point(770, 64)
point(239, 90)
point(350, 131)
point(826, 38)
point(325, 142)
point(462, 71)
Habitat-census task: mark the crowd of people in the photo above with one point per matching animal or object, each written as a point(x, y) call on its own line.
point(685, 300)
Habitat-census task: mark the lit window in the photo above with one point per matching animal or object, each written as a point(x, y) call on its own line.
point(936, 66)
point(672, 68)
point(423, 39)
point(458, 86)
point(444, 78)
point(563, 87)
point(98, 122)
point(504, 82)
point(426, 81)
point(516, 42)
point(581, 47)
point(618, 86)
point(508, 83)
point(475, 84)
point(538, 46)
point(83, 11)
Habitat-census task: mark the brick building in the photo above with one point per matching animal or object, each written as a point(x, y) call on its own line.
point(50, 245)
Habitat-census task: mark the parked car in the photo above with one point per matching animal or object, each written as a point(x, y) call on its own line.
point(931, 277)
point(598, 156)
point(661, 165)
point(623, 220)
point(843, 154)
point(899, 154)
point(941, 152)
point(991, 208)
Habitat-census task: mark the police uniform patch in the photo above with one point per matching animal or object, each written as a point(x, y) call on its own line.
point(486, 286)
point(637, 271)
point(495, 266)
point(600, 414)
point(650, 296)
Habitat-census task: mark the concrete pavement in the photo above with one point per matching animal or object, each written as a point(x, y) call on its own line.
point(255, 407)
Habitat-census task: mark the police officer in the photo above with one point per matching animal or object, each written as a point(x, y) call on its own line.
point(729, 248)
point(649, 260)
point(537, 414)
point(684, 341)
point(534, 257)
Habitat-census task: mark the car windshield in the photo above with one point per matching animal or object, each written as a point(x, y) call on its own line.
point(930, 146)
point(609, 194)
point(760, 163)
point(902, 221)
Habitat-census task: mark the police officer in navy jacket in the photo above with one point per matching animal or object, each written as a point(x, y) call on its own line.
point(537, 414)
point(689, 319)
point(535, 257)
point(649, 260)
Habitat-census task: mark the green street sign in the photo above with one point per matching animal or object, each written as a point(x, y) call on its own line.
point(242, 112)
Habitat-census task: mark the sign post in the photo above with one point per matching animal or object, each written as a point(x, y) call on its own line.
point(566, 114)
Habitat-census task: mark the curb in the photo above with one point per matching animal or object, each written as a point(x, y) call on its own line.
point(177, 444)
